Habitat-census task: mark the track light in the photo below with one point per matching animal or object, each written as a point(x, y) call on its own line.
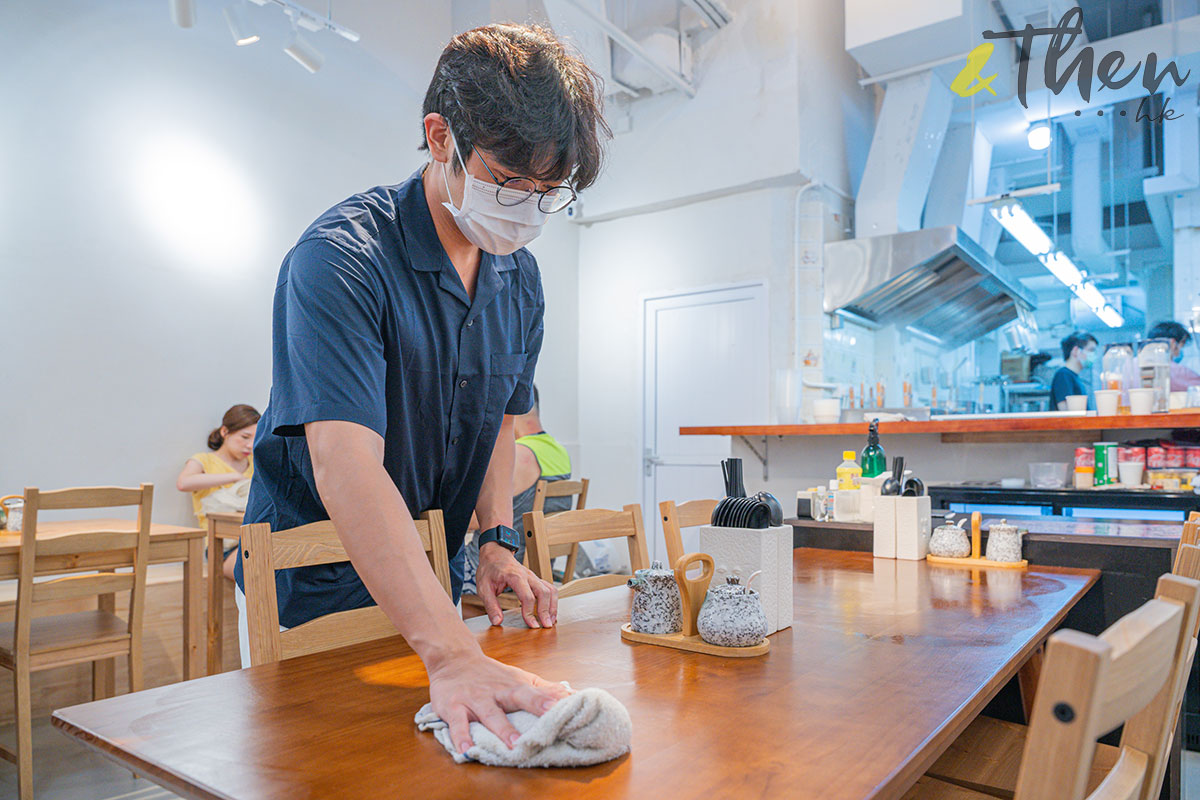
point(1038, 136)
point(304, 53)
point(236, 19)
point(183, 12)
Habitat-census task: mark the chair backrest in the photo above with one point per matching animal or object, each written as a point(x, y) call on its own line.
point(264, 552)
point(547, 489)
point(1130, 674)
point(589, 524)
point(66, 552)
point(675, 518)
point(1191, 529)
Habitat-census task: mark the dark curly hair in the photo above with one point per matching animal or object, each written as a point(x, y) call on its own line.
point(515, 91)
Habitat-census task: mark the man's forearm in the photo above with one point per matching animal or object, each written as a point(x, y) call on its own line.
point(494, 506)
point(385, 549)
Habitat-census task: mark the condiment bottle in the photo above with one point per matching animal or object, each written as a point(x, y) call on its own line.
point(873, 460)
point(849, 473)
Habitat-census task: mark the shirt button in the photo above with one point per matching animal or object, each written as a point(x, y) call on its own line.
point(470, 322)
point(462, 384)
point(454, 440)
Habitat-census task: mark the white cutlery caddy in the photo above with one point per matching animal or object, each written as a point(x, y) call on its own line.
point(744, 551)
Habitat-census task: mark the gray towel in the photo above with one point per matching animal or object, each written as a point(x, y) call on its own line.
point(588, 727)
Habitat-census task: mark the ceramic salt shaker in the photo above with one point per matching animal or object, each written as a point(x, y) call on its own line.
point(950, 541)
point(732, 615)
point(1004, 542)
point(656, 604)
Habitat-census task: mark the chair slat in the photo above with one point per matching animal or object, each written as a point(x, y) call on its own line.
point(1126, 780)
point(563, 488)
point(587, 525)
point(82, 586)
point(591, 584)
point(89, 497)
point(337, 630)
point(1138, 667)
point(90, 542)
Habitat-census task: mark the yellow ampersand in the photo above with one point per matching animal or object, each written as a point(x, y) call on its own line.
point(976, 60)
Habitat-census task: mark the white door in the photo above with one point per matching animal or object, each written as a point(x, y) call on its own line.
point(706, 363)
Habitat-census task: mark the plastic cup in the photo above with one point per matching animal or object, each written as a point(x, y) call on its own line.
point(1106, 402)
point(1141, 401)
point(827, 410)
point(1130, 472)
point(1077, 402)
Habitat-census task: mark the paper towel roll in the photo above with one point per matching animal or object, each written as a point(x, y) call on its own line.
point(744, 551)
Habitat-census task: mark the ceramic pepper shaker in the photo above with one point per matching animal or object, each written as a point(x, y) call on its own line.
point(732, 615)
point(1004, 542)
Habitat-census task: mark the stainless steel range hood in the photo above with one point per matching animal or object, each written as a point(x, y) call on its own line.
point(937, 281)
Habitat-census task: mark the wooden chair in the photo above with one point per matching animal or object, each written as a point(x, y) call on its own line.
point(675, 518)
point(1132, 674)
point(571, 527)
point(543, 490)
point(30, 643)
point(264, 552)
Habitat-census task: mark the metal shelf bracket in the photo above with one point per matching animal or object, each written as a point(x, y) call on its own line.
point(764, 456)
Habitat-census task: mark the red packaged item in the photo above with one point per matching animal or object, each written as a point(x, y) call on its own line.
point(1175, 458)
point(1191, 457)
point(1156, 457)
point(1085, 457)
point(1131, 455)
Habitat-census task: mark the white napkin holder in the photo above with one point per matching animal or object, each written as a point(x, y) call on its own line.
point(903, 526)
point(744, 551)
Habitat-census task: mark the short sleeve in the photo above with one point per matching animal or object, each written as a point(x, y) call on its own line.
point(329, 359)
point(521, 400)
point(1060, 387)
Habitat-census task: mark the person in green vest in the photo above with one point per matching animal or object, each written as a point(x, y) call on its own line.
point(539, 457)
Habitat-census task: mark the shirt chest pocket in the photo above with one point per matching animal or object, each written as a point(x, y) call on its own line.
point(505, 373)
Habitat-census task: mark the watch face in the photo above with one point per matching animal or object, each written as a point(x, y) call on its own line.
point(509, 537)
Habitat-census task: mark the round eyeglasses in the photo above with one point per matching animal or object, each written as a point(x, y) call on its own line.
point(514, 191)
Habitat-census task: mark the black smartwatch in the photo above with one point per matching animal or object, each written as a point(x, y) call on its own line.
point(501, 535)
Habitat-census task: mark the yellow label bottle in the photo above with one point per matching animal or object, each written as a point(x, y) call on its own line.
point(849, 473)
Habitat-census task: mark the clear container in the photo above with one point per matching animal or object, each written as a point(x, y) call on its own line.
point(1117, 372)
point(1154, 362)
point(849, 473)
point(1048, 475)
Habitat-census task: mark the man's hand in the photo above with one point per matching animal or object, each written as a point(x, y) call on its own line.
point(497, 571)
point(481, 689)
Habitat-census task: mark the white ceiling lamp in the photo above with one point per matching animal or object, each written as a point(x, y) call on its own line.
point(1016, 220)
point(183, 12)
point(235, 17)
point(310, 20)
point(303, 52)
point(1038, 136)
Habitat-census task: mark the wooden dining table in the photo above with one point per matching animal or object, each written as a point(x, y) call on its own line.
point(885, 664)
point(168, 544)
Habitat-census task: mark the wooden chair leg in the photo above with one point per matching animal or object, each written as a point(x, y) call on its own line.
point(24, 718)
point(569, 569)
point(1027, 679)
point(103, 678)
point(135, 667)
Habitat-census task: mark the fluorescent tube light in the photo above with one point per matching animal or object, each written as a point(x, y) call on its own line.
point(1110, 317)
point(183, 12)
point(1038, 136)
point(1062, 268)
point(1022, 227)
point(236, 19)
point(304, 53)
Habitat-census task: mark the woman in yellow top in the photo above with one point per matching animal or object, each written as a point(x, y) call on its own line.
point(231, 460)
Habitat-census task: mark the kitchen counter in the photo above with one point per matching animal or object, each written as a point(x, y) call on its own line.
point(943, 494)
point(949, 424)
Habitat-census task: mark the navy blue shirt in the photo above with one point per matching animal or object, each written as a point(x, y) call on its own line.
point(1066, 382)
point(372, 325)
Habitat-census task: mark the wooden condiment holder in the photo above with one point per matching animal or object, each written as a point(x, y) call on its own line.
point(692, 592)
point(976, 559)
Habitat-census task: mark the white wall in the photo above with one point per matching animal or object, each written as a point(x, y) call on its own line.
point(702, 192)
point(123, 349)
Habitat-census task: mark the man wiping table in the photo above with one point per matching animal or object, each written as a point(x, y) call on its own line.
point(407, 326)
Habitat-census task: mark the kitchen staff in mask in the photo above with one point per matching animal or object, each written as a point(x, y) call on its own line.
point(407, 326)
point(1079, 353)
point(1181, 376)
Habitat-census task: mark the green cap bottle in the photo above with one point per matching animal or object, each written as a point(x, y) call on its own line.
point(873, 460)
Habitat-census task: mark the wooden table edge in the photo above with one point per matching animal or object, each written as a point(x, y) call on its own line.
point(903, 777)
point(163, 776)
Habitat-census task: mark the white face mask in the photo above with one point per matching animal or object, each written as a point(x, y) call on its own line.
point(488, 224)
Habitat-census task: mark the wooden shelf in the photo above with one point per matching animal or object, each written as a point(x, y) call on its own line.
point(949, 424)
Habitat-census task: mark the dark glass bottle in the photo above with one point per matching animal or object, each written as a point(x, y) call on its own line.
point(873, 460)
